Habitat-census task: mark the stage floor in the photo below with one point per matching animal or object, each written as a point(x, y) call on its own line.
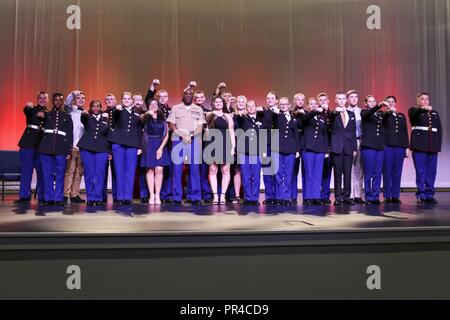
point(138, 218)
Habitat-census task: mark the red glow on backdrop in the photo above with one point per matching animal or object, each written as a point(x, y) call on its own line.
point(261, 46)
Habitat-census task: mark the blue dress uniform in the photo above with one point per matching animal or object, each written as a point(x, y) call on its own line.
point(327, 165)
point(94, 150)
point(426, 143)
point(111, 162)
point(248, 154)
point(55, 145)
point(29, 157)
point(268, 175)
point(372, 152)
point(294, 182)
point(289, 145)
point(343, 145)
point(126, 140)
point(396, 143)
point(314, 145)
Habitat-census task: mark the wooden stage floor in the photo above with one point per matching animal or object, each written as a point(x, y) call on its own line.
point(138, 218)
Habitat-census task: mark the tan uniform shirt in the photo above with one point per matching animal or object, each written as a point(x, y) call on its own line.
point(186, 118)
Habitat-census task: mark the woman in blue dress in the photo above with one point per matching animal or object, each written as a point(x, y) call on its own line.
point(155, 155)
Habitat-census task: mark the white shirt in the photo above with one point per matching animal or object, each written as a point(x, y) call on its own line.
point(288, 116)
point(357, 111)
point(78, 128)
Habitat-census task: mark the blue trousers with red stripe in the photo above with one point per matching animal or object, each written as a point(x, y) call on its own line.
point(313, 165)
point(251, 176)
point(425, 164)
point(30, 160)
point(373, 168)
point(94, 164)
point(125, 162)
point(392, 171)
point(53, 170)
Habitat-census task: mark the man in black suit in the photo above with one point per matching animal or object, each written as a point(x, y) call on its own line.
point(343, 148)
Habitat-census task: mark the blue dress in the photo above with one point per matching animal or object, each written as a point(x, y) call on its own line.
point(154, 132)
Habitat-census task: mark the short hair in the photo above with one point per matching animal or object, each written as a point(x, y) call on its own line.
point(137, 94)
point(158, 93)
point(286, 99)
point(312, 98)
point(352, 92)
point(126, 93)
point(42, 92)
point(422, 94)
point(367, 98)
point(91, 104)
point(81, 93)
point(110, 95)
point(274, 93)
point(251, 101)
point(299, 95)
point(57, 94)
point(322, 94)
point(341, 93)
point(199, 92)
point(391, 97)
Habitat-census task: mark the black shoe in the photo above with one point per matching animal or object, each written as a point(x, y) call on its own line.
point(376, 202)
point(66, 199)
point(326, 201)
point(396, 200)
point(41, 202)
point(420, 200)
point(196, 202)
point(99, 203)
point(294, 201)
point(432, 201)
point(115, 201)
point(22, 201)
point(338, 203)
point(207, 201)
point(59, 203)
point(126, 202)
point(317, 202)
point(247, 203)
point(350, 202)
point(90, 203)
point(387, 200)
point(268, 201)
point(308, 202)
point(255, 203)
point(49, 203)
point(358, 201)
point(369, 203)
point(77, 199)
point(175, 202)
point(145, 200)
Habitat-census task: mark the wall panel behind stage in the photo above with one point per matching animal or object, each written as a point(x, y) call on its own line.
point(253, 45)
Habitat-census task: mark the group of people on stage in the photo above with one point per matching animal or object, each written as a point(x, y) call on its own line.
point(215, 154)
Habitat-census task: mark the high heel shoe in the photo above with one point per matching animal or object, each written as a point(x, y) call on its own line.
point(222, 199)
point(215, 199)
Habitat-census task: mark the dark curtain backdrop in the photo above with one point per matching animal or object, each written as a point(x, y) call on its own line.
point(253, 45)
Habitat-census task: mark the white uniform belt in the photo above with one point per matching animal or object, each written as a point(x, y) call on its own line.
point(55, 132)
point(32, 126)
point(425, 129)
